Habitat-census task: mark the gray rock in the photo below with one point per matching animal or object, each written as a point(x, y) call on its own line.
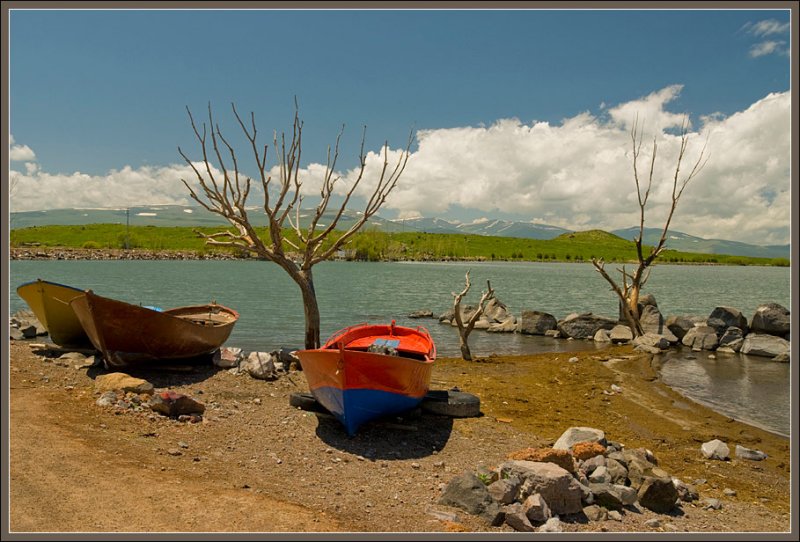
point(587, 497)
point(614, 515)
point(686, 492)
point(536, 509)
point(701, 337)
point(658, 494)
point(602, 336)
point(108, 399)
point(227, 357)
point(715, 449)
point(556, 334)
point(606, 496)
point(260, 365)
point(469, 493)
point(537, 323)
point(589, 465)
point(173, 404)
point(627, 495)
point(584, 326)
point(652, 321)
point(516, 519)
point(728, 492)
point(507, 326)
point(782, 358)
point(621, 334)
point(747, 453)
point(652, 339)
point(556, 485)
point(711, 504)
point(772, 319)
point(653, 523)
point(600, 475)
point(679, 325)
point(733, 338)
point(759, 344)
point(595, 513)
point(721, 318)
point(15, 334)
point(574, 435)
point(424, 313)
point(552, 525)
point(505, 491)
point(616, 471)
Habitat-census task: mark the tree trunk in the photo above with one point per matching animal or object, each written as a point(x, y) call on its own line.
point(310, 309)
point(466, 355)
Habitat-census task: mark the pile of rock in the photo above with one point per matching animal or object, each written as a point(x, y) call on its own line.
point(260, 365)
point(725, 330)
point(582, 477)
point(124, 392)
point(25, 325)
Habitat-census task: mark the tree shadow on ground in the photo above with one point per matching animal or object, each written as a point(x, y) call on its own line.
point(414, 435)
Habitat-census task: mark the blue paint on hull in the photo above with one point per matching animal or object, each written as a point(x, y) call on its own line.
point(355, 407)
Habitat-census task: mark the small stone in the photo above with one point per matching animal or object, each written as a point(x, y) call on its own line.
point(653, 523)
point(729, 492)
point(614, 515)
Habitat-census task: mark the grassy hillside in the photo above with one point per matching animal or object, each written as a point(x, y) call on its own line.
point(374, 245)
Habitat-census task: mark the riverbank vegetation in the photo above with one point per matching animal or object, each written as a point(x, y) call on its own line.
point(375, 245)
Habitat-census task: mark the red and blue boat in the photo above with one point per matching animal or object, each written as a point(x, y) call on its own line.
point(365, 372)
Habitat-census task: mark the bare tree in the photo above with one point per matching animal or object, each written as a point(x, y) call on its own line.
point(226, 189)
point(629, 288)
point(465, 330)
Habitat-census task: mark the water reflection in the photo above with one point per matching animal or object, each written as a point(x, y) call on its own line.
point(751, 389)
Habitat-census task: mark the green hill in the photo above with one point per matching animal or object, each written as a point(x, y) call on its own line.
point(376, 245)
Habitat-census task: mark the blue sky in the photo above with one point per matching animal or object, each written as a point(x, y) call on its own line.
point(495, 96)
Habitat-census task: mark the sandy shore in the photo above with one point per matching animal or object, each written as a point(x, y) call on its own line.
point(256, 464)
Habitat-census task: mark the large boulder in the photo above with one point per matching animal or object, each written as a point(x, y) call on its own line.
point(759, 344)
point(772, 319)
point(557, 487)
point(701, 338)
point(652, 321)
point(537, 323)
point(721, 318)
point(733, 338)
point(584, 326)
point(469, 493)
point(658, 494)
point(680, 325)
point(574, 435)
point(496, 311)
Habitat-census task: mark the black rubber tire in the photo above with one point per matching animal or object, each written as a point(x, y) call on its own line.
point(455, 404)
point(305, 401)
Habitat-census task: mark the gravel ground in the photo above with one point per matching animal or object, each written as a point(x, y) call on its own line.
point(256, 464)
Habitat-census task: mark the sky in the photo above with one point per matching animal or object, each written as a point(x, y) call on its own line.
point(520, 114)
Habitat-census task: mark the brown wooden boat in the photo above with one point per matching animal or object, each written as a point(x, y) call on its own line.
point(131, 334)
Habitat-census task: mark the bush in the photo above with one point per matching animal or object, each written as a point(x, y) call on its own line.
point(91, 245)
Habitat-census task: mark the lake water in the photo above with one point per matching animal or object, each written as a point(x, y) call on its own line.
point(271, 314)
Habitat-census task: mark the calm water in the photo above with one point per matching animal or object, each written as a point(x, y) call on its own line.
point(349, 293)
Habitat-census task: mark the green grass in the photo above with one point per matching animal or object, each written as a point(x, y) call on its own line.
point(373, 245)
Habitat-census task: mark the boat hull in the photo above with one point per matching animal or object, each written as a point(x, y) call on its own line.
point(358, 386)
point(50, 302)
point(129, 334)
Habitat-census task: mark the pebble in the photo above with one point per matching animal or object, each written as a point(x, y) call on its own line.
point(729, 492)
point(653, 523)
point(415, 465)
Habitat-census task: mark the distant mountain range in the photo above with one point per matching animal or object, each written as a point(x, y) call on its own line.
point(178, 215)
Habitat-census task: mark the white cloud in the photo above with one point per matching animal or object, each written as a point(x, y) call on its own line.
point(766, 48)
point(576, 174)
point(767, 27)
point(20, 153)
